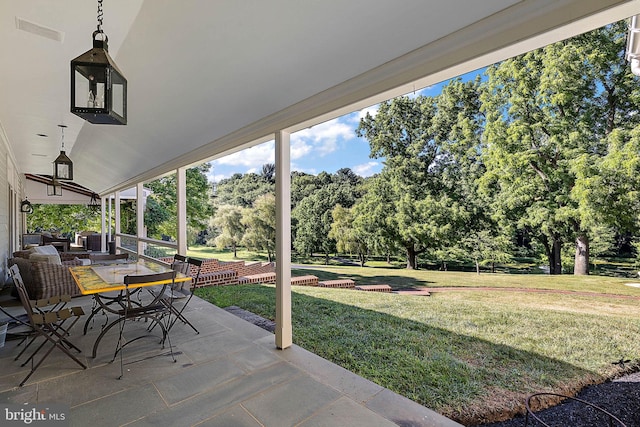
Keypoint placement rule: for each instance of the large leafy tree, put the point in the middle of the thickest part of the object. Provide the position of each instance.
(420, 212)
(458, 125)
(550, 115)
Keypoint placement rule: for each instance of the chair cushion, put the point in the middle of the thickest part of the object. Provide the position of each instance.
(47, 253)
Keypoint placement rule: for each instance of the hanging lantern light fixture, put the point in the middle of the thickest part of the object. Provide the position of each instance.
(98, 88)
(62, 165)
(55, 188)
(93, 203)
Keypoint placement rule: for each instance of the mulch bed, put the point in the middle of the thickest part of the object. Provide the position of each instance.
(620, 397)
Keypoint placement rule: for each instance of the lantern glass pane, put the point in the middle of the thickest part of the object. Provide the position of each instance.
(89, 86)
(62, 171)
(81, 90)
(117, 94)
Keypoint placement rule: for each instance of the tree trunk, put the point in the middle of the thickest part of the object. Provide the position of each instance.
(553, 252)
(581, 263)
(235, 251)
(477, 266)
(411, 257)
(557, 260)
(326, 258)
(493, 267)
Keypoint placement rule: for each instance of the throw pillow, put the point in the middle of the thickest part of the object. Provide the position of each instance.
(47, 258)
(46, 249)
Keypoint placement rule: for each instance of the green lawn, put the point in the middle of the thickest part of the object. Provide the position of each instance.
(468, 354)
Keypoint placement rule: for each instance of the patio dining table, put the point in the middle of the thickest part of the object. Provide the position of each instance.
(101, 280)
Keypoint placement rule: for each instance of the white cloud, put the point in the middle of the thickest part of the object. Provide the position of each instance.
(373, 110)
(217, 177)
(366, 169)
(300, 148)
(322, 139)
(253, 157)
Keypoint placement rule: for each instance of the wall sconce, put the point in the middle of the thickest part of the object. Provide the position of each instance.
(98, 88)
(55, 188)
(25, 206)
(62, 165)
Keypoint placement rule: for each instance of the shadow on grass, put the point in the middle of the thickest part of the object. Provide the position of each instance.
(465, 378)
(396, 282)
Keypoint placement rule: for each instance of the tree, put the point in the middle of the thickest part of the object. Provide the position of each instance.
(371, 217)
(348, 238)
(242, 190)
(550, 114)
(268, 173)
(421, 213)
(63, 219)
(164, 198)
(229, 220)
(260, 223)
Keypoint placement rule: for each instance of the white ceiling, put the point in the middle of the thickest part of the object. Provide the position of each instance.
(206, 77)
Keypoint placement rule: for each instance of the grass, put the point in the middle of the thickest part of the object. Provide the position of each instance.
(472, 355)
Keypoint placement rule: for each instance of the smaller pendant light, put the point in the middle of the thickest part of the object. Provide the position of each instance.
(55, 188)
(62, 165)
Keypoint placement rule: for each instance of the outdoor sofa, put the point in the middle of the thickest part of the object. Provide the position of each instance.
(44, 273)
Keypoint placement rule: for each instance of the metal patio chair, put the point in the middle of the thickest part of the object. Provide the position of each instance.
(47, 324)
(157, 311)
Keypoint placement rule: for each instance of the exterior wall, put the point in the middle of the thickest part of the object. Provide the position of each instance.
(11, 220)
(4, 213)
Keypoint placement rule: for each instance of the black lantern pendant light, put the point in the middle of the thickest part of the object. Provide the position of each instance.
(98, 88)
(62, 165)
(55, 188)
(93, 203)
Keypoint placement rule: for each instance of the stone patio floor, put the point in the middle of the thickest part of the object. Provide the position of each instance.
(231, 374)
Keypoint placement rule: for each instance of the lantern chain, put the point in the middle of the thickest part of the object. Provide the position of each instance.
(62, 135)
(100, 14)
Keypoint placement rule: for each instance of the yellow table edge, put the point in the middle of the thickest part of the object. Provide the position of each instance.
(179, 278)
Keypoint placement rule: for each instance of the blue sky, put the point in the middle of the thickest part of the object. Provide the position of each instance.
(327, 147)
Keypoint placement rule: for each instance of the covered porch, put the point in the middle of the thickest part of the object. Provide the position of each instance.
(207, 79)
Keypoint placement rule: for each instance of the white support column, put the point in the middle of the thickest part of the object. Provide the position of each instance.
(110, 219)
(181, 190)
(116, 206)
(103, 226)
(140, 201)
(284, 334)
